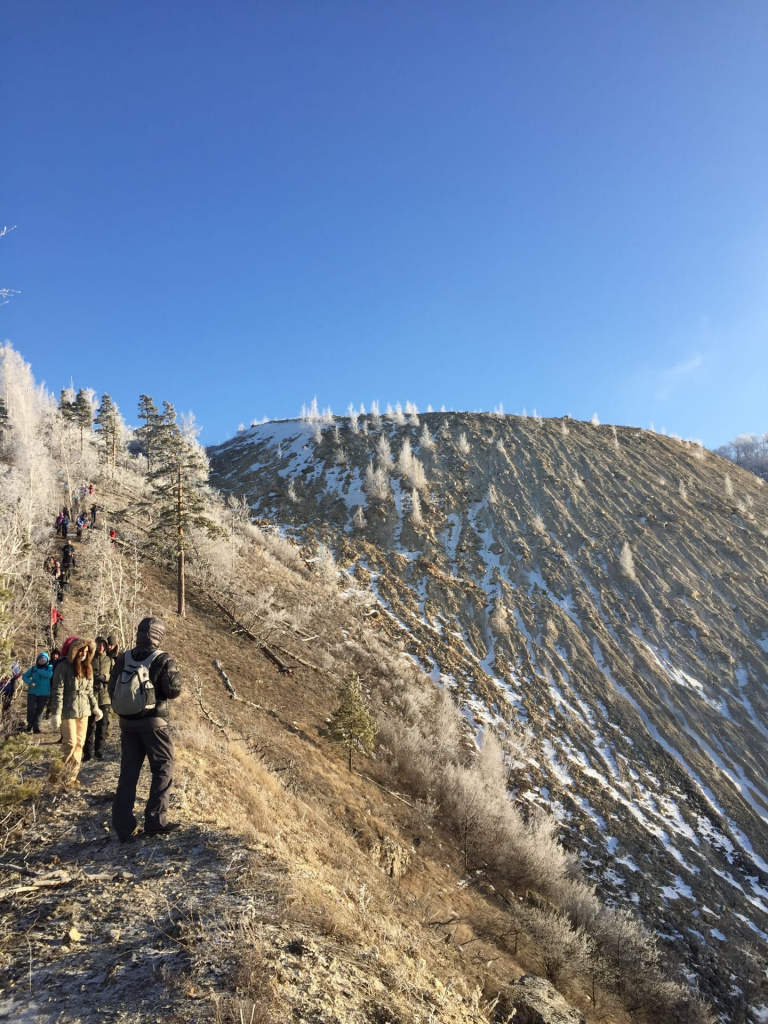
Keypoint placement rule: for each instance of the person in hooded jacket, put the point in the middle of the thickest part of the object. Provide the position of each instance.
(73, 702)
(68, 560)
(145, 735)
(98, 731)
(38, 680)
(112, 649)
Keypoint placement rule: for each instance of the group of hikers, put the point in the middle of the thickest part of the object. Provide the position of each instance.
(81, 686)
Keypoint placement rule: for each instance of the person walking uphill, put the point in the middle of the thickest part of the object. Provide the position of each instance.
(142, 682)
(73, 702)
(38, 680)
(96, 735)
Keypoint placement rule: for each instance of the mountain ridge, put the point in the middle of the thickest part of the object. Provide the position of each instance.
(601, 587)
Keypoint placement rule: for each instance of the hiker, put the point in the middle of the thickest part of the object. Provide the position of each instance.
(94, 510)
(68, 560)
(59, 521)
(112, 535)
(112, 649)
(148, 677)
(73, 702)
(82, 524)
(38, 680)
(90, 490)
(8, 687)
(56, 619)
(98, 731)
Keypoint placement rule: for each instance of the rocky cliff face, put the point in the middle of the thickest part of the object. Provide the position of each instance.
(596, 594)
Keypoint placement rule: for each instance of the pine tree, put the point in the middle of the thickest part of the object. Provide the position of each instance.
(82, 413)
(107, 420)
(67, 404)
(178, 483)
(147, 434)
(351, 724)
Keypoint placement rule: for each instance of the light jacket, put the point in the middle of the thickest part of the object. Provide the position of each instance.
(73, 697)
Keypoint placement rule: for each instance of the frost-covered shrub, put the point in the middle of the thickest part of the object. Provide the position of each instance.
(375, 415)
(595, 421)
(627, 562)
(353, 423)
(463, 444)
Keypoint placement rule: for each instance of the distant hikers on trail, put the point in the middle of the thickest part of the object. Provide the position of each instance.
(81, 523)
(94, 510)
(142, 682)
(73, 702)
(38, 682)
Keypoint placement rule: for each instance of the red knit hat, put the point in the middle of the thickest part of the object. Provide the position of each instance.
(66, 645)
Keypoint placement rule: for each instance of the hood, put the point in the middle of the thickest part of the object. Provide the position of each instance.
(76, 646)
(66, 645)
(150, 632)
(101, 640)
(112, 640)
(42, 654)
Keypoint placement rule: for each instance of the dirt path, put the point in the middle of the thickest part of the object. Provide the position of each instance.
(104, 930)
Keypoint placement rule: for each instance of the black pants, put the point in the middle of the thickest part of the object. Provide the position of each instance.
(96, 736)
(155, 745)
(35, 708)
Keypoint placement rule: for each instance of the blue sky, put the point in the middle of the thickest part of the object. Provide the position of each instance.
(238, 206)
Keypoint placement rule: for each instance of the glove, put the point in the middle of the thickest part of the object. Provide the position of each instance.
(98, 714)
(56, 722)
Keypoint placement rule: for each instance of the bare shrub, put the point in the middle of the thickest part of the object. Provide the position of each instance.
(560, 951)
(627, 562)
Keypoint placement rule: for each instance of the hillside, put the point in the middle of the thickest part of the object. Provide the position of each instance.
(598, 596)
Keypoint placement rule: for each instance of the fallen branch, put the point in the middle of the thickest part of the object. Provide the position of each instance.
(231, 690)
(383, 788)
(19, 869)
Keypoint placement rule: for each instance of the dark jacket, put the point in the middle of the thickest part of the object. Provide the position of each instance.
(102, 669)
(68, 557)
(163, 672)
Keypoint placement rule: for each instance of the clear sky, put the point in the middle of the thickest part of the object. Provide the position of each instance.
(239, 205)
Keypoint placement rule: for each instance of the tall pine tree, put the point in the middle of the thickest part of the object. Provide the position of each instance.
(179, 482)
(108, 422)
(82, 414)
(148, 433)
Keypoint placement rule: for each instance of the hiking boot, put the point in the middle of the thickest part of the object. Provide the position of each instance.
(136, 834)
(161, 830)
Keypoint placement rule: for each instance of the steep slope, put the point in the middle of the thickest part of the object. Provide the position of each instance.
(605, 589)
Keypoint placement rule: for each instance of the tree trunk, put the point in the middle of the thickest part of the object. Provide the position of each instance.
(180, 595)
(350, 757)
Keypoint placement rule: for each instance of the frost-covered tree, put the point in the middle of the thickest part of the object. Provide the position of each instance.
(750, 451)
(358, 519)
(595, 421)
(425, 438)
(410, 468)
(463, 444)
(376, 483)
(384, 454)
(352, 413)
(375, 415)
(416, 514)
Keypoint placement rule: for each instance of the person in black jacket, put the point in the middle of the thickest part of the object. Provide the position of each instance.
(145, 735)
(68, 560)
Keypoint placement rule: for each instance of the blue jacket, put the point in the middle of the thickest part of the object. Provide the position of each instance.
(39, 680)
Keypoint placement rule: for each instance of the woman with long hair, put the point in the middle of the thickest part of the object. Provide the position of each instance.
(73, 702)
